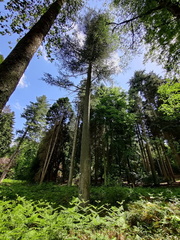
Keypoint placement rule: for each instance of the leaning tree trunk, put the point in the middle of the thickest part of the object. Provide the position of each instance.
(12, 158)
(51, 147)
(13, 67)
(85, 161)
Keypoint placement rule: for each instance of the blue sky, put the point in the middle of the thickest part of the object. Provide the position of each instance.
(31, 85)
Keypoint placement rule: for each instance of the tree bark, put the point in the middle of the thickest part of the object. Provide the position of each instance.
(85, 161)
(143, 150)
(151, 161)
(13, 67)
(71, 170)
(51, 149)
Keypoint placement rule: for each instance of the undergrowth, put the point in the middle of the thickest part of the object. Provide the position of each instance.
(139, 216)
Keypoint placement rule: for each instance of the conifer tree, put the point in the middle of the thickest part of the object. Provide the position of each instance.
(6, 130)
(89, 59)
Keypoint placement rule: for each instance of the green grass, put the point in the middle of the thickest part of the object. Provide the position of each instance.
(50, 212)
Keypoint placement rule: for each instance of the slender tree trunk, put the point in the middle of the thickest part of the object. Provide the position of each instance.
(71, 170)
(12, 158)
(172, 146)
(151, 161)
(13, 67)
(143, 150)
(85, 161)
(50, 149)
(168, 164)
(162, 167)
(106, 155)
(96, 157)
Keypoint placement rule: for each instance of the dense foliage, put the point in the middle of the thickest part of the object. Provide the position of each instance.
(170, 97)
(120, 148)
(144, 217)
(155, 22)
(6, 130)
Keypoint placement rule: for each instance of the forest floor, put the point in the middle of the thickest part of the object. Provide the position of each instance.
(53, 212)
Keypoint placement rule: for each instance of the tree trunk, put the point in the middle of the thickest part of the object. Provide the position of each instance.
(13, 156)
(173, 149)
(13, 67)
(51, 149)
(71, 170)
(168, 164)
(85, 161)
(151, 161)
(143, 150)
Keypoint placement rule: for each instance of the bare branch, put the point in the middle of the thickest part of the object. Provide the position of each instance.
(134, 18)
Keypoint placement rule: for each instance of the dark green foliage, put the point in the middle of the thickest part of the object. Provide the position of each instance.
(60, 109)
(25, 161)
(6, 128)
(58, 121)
(46, 192)
(35, 116)
(112, 133)
(152, 128)
(62, 195)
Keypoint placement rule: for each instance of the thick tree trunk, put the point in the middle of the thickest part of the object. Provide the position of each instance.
(85, 161)
(12, 158)
(13, 67)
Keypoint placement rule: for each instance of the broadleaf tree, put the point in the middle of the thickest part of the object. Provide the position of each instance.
(14, 65)
(155, 22)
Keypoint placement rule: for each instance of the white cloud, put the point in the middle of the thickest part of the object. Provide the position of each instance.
(79, 34)
(22, 82)
(43, 52)
(114, 62)
(18, 106)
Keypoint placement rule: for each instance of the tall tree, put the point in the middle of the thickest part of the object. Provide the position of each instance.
(13, 67)
(113, 127)
(88, 58)
(144, 91)
(54, 148)
(34, 114)
(169, 111)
